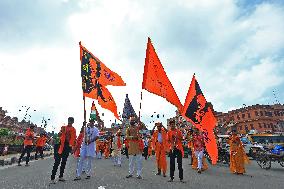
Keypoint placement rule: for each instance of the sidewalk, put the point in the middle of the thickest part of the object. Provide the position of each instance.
(13, 158)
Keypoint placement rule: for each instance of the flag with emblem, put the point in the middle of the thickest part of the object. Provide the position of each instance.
(200, 113)
(95, 77)
(106, 101)
(155, 79)
(97, 70)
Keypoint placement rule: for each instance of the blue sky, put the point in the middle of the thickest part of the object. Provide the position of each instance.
(234, 47)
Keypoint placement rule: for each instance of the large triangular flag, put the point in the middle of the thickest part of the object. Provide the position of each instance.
(200, 113)
(128, 109)
(94, 73)
(155, 79)
(106, 101)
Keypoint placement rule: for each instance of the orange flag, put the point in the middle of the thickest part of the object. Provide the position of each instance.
(200, 114)
(106, 101)
(99, 71)
(155, 79)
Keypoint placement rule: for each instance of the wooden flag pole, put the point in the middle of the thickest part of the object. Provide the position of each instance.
(140, 106)
(84, 124)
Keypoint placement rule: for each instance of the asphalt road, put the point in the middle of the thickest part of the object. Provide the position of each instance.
(109, 177)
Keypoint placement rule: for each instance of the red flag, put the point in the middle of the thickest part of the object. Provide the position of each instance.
(155, 79)
(199, 112)
(106, 101)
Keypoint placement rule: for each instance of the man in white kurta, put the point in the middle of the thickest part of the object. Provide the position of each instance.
(88, 150)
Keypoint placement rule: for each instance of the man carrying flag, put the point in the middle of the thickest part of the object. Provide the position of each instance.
(88, 151)
(175, 138)
(135, 149)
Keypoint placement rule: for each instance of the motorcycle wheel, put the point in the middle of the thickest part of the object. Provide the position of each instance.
(281, 162)
(264, 161)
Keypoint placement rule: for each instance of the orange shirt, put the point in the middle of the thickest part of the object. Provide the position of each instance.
(164, 139)
(41, 141)
(29, 136)
(178, 142)
(67, 132)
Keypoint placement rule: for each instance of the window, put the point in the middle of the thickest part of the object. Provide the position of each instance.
(241, 127)
(256, 113)
(251, 126)
(243, 116)
(238, 117)
(264, 125)
(248, 115)
(276, 113)
(246, 128)
(261, 113)
(259, 125)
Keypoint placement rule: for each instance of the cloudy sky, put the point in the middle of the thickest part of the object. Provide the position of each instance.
(235, 47)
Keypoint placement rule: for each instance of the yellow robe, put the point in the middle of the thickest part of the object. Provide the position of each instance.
(238, 157)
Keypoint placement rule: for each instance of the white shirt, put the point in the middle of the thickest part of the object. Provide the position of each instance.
(89, 149)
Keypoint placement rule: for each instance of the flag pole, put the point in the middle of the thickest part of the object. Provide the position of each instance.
(141, 98)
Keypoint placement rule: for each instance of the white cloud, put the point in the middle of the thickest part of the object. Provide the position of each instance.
(234, 56)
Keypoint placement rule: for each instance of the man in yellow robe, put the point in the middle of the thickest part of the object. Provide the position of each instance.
(238, 157)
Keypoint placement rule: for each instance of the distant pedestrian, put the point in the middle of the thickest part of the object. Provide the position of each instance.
(146, 147)
(40, 143)
(5, 150)
(28, 145)
(117, 146)
(126, 147)
(67, 136)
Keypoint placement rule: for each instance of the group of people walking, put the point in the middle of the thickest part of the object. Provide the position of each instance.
(164, 142)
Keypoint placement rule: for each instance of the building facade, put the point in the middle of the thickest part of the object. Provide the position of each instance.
(260, 118)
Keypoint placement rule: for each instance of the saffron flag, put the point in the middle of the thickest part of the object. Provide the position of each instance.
(199, 112)
(155, 79)
(106, 101)
(97, 71)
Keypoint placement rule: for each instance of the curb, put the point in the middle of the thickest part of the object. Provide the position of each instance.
(14, 159)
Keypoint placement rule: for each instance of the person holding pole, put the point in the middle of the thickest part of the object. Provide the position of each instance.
(88, 150)
(135, 148)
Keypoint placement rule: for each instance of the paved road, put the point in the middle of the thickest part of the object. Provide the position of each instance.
(38, 175)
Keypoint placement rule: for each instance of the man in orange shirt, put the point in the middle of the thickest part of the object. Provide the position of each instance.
(28, 145)
(67, 136)
(176, 150)
(160, 145)
(40, 143)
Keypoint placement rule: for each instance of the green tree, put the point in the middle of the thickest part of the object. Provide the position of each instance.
(4, 132)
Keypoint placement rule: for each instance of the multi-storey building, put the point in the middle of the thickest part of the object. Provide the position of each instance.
(261, 118)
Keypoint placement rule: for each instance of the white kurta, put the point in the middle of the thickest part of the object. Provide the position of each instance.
(89, 150)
